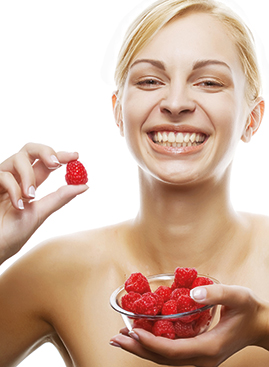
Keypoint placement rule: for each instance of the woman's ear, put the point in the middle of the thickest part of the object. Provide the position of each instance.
(116, 105)
(254, 120)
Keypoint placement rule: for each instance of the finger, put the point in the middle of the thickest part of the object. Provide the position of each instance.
(24, 174)
(45, 153)
(42, 171)
(184, 349)
(56, 200)
(132, 346)
(124, 331)
(9, 184)
(226, 295)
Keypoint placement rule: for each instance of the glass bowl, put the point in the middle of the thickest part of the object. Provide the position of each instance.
(187, 324)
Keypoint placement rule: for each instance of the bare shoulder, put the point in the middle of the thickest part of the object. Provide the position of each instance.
(67, 259)
(259, 225)
(88, 248)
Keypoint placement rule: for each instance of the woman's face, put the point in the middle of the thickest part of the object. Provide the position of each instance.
(183, 104)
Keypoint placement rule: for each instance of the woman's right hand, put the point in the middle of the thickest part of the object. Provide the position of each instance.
(20, 176)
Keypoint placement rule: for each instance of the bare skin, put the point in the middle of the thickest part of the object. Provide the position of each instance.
(60, 291)
(79, 273)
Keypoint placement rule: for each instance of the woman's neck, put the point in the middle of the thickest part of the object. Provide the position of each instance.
(184, 226)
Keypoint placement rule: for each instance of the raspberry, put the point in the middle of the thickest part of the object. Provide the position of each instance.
(185, 304)
(164, 291)
(184, 277)
(127, 301)
(76, 173)
(137, 283)
(179, 292)
(160, 301)
(143, 324)
(203, 322)
(164, 328)
(183, 330)
(201, 281)
(146, 305)
(170, 307)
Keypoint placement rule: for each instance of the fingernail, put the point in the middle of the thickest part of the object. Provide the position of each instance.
(198, 294)
(114, 344)
(31, 192)
(54, 159)
(133, 335)
(20, 204)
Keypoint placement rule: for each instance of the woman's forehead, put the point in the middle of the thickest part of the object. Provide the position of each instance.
(192, 37)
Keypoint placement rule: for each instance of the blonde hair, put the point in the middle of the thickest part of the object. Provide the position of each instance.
(156, 16)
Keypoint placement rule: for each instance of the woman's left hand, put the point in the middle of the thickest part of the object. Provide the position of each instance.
(243, 321)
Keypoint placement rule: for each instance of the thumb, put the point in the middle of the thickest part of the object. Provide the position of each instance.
(56, 200)
(226, 295)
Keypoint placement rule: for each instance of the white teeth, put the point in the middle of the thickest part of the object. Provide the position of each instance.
(179, 139)
(171, 137)
(193, 137)
(186, 138)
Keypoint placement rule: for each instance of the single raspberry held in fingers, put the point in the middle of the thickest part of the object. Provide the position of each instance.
(76, 173)
(137, 283)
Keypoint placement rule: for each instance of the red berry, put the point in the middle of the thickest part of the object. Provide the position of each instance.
(203, 322)
(76, 173)
(186, 304)
(170, 307)
(164, 291)
(184, 330)
(184, 277)
(201, 281)
(164, 328)
(143, 324)
(159, 299)
(137, 283)
(127, 301)
(179, 292)
(146, 305)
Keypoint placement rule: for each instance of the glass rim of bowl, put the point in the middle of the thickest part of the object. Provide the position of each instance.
(165, 276)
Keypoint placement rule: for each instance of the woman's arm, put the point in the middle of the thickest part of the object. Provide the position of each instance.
(244, 321)
(20, 176)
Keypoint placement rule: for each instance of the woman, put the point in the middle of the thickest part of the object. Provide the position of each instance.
(190, 76)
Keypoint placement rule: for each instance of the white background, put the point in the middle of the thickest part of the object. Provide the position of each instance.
(56, 80)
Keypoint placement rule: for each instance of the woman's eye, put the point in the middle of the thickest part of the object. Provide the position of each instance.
(148, 83)
(210, 84)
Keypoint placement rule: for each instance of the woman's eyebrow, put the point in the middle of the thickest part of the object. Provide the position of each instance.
(156, 63)
(202, 63)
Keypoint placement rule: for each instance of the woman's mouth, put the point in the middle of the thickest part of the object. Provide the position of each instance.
(177, 139)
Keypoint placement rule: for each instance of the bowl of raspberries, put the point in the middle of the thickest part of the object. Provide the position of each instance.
(161, 304)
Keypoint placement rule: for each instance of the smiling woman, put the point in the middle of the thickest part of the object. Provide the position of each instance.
(188, 91)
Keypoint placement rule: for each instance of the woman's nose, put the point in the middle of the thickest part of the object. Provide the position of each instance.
(177, 101)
